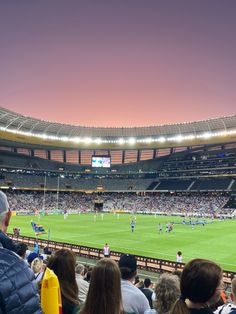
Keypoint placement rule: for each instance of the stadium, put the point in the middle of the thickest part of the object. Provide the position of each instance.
(105, 178)
(117, 157)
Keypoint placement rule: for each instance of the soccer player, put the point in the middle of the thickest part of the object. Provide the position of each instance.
(170, 227)
(132, 225)
(65, 214)
(160, 228)
(167, 227)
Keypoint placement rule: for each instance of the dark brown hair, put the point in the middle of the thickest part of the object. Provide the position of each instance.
(199, 281)
(104, 295)
(62, 262)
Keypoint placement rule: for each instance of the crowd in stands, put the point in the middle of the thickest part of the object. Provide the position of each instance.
(109, 288)
(195, 204)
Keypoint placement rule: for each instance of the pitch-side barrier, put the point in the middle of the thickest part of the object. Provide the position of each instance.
(145, 263)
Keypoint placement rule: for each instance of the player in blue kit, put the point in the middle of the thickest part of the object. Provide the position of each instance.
(132, 225)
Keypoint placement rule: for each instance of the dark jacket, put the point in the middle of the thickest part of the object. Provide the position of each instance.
(18, 294)
(205, 310)
(7, 243)
(148, 293)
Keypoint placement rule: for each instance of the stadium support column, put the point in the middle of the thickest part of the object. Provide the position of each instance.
(123, 156)
(32, 153)
(79, 156)
(64, 156)
(48, 155)
(58, 189)
(138, 155)
(154, 153)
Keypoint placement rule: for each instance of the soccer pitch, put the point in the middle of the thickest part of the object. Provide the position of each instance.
(214, 241)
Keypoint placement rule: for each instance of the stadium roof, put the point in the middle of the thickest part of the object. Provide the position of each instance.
(12, 122)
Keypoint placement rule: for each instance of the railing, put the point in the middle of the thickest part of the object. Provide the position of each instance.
(144, 263)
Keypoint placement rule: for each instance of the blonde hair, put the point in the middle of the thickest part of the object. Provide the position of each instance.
(36, 265)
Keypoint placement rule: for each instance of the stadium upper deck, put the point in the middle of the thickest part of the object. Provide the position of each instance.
(23, 129)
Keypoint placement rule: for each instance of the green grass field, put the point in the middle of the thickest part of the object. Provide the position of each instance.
(214, 241)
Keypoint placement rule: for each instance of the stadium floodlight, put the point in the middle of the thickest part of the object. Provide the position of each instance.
(190, 137)
(87, 140)
(64, 138)
(161, 139)
(206, 135)
(132, 140)
(121, 141)
(76, 140)
(148, 140)
(98, 141)
(179, 138)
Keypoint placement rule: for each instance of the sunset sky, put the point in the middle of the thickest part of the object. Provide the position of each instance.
(118, 63)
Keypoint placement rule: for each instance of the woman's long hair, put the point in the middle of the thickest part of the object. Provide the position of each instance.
(199, 281)
(62, 262)
(104, 295)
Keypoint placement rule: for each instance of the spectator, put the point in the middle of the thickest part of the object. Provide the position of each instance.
(18, 292)
(179, 257)
(200, 285)
(104, 295)
(177, 273)
(21, 250)
(133, 299)
(82, 284)
(46, 251)
(106, 250)
(5, 212)
(136, 280)
(167, 291)
(38, 267)
(229, 308)
(147, 291)
(62, 262)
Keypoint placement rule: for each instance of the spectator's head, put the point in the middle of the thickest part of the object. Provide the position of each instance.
(104, 295)
(21, 250)
(80, 269)
(147, 282)
(167, 291)
(179, 253)
(177, 273)
(233, 290)
(5, 213)
(201, 283)
(140, 284)
(62, 262)
(128, 266)
(136, 279)
(88, 275)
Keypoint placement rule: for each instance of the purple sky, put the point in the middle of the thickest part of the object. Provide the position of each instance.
(118, 63)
